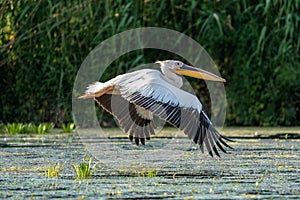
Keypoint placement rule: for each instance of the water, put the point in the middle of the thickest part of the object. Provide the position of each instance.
(256, 168)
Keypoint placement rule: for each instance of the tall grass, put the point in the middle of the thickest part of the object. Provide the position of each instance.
(255, 44)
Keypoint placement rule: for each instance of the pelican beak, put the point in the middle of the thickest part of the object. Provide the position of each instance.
(187, 70)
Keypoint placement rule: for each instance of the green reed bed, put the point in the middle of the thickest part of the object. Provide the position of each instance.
(255, 45)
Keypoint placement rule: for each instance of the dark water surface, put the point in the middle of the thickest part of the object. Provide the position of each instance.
(256, 168)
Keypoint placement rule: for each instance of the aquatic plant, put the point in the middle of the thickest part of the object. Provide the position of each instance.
(52, 170)
(83, 170)
(148, 172)
(15, 128)
(68, 128)
(42, 128)
(45, 127)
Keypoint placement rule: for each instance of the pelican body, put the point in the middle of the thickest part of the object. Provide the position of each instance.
(134, 98)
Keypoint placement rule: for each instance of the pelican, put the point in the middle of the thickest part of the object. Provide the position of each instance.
(134, 98)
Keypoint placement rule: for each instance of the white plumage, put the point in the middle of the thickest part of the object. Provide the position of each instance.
(152, 84)
(134, 98)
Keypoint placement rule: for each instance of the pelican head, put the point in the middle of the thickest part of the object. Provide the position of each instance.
(179, 67)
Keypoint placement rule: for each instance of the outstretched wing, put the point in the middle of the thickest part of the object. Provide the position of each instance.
(149, 90)
(132, 98)
(134, 120)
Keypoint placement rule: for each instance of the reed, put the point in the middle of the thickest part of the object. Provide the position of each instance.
(255, 44)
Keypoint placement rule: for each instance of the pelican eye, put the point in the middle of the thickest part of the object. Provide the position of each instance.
(177, 63)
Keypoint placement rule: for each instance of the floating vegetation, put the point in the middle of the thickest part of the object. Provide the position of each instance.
(52, 170)
(257, 169)
(20, 128)
(83, 170)
(68, 128)
(148, 172)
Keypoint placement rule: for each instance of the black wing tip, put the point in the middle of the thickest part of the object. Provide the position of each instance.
(195, 140)
(226, 138)
(220, 147)
(137, 141)
(214, 150)
(130, 138)
(224, 143)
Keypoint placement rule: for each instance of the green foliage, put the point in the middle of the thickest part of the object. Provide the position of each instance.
(52, 170)
(68, 128)
(83, 170)
(255, 43)
(21, 128)
(15, 128)
(148, 172)
(42, 128)
(263, 86)
(2, 128)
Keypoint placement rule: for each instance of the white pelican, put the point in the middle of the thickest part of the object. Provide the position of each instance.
(134, 98)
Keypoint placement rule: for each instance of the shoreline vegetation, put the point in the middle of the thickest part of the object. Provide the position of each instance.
(255, 45)
(232, 131)
(31, 128)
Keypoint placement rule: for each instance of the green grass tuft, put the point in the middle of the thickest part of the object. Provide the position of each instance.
(148, 172)
(15, 128)
(20, 128)
(68, 128)
(83, 170)
(52, 170)
(42, 128)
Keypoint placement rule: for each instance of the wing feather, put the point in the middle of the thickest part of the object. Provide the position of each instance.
(181, 109)
(128, 117)
(147, 91)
